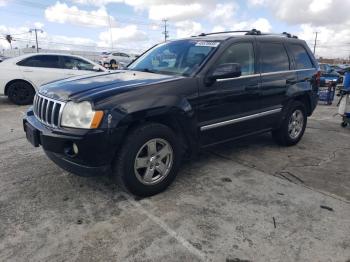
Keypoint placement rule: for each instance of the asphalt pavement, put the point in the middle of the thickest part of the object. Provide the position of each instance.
(244, 201)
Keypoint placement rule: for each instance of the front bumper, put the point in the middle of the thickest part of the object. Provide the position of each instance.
(96, 148)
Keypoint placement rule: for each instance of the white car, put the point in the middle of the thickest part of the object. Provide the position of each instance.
(115, 59)
(21, 76)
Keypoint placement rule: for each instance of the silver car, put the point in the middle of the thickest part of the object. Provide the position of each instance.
(115, 59)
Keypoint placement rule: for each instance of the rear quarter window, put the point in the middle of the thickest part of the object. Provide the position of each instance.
(274, 57)
(301, 57)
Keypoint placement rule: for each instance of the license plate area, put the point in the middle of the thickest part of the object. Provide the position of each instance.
(32, 135)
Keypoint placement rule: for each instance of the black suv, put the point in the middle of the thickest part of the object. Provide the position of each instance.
(179, 96)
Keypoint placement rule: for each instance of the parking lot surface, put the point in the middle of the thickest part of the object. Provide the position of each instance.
(242, 201)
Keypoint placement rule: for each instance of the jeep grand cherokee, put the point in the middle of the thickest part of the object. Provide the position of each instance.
(179, 96)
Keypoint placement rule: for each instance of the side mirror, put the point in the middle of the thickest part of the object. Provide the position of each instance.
(229, 70)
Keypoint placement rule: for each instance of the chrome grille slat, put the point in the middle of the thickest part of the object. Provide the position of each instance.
(48, 110)
(53, 113)
(42, 109)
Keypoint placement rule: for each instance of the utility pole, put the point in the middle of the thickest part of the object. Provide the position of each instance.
(36, 37)
(166, 32)
(315, 43)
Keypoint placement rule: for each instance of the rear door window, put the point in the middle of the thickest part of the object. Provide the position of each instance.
(274, 58)
(76, 64)
(301, 57)
(46, 61)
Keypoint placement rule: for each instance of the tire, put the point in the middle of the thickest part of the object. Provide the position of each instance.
(291, 132)
(144, 143)
(344, 124)
(21, 93)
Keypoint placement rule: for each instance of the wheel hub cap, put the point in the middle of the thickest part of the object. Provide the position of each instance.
(153, 161)
(296, 124)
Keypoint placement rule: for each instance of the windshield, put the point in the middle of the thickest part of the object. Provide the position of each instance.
(181, 57)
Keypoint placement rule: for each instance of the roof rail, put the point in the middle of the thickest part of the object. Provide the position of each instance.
(285, 34)
(248, 32)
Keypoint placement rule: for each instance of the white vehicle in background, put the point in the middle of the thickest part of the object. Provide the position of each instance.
(115, 59)
(21, 76)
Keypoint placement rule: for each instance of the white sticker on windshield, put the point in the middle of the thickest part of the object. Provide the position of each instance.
(209, 44)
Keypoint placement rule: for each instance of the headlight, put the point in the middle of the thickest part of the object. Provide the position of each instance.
(80, 115)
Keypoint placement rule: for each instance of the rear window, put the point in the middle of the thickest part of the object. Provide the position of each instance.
(302, 58)
(47, 61)
(274, 58)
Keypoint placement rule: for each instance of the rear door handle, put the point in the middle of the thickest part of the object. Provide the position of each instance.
(291, 81)
(251, 87)
(28, 71)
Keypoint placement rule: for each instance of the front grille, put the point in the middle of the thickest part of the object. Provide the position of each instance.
(47, 110)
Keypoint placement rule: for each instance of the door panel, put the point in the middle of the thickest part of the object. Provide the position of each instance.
(225, 104)
(276, 78)
(226, 101)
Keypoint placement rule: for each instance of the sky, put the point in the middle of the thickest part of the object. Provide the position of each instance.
(136, 25)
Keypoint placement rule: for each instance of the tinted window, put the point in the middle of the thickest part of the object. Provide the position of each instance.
(47, 61)
(274, 58)
(301, 57)
(241, 53)
(76, 64)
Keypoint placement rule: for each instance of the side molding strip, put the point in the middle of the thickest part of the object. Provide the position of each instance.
(240, 119)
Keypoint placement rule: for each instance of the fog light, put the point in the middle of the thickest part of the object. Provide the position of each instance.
(75, 149)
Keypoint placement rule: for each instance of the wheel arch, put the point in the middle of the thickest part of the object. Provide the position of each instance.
(17, 80)
(306, 100)
(182, 124)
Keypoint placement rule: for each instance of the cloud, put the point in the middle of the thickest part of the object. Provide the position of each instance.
(62, 13)
(315, 12)
(178, 10)
(175, 12)
(3, 2)
(328, 17)
(127, 37)
(96, 2)
(224, 12)
(38, 25)
(261, 24)
(333, 41)
(188, 28)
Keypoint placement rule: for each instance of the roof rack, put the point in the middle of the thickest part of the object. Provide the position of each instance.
(249, 32)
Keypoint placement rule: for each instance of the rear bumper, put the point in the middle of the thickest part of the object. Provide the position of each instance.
(96, 148)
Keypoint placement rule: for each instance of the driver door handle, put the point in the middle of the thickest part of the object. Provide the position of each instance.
(251, 87)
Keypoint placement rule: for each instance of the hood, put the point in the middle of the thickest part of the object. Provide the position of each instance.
(92, 86)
